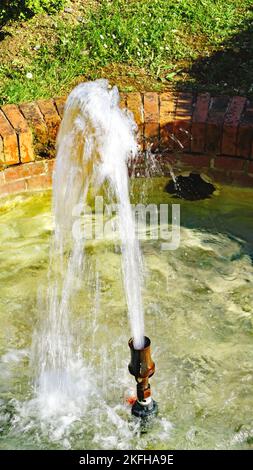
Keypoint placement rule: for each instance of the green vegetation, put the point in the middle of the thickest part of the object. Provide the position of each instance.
(155, 44)
(24, 8)
(50, 6)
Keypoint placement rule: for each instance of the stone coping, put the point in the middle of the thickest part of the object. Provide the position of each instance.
(210, 134)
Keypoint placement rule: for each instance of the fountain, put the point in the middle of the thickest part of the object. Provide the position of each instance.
(95, 142)
(83, 385)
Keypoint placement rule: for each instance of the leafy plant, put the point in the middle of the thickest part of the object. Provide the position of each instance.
(13, 9)
(50, 6)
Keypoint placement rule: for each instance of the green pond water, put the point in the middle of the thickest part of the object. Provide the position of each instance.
(198, 312)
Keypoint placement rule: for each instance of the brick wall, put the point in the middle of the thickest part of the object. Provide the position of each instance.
(201, 132)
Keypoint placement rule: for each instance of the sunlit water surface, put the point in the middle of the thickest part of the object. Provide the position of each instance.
(198, 311)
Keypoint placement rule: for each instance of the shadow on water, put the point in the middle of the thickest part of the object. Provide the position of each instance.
(228, 69)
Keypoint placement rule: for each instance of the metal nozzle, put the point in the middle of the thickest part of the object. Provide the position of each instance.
(142, 367)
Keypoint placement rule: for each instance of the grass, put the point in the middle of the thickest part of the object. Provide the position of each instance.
(144, 44)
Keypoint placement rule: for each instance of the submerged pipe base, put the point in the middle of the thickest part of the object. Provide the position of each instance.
(145, 411)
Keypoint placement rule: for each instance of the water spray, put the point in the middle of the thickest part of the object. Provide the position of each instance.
(142, 367)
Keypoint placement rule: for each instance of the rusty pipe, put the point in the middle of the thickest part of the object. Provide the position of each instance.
(142, 367)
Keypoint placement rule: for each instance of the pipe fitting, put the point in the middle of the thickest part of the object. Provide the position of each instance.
(142, 367)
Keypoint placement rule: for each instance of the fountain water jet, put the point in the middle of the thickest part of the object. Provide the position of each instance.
(95, 142)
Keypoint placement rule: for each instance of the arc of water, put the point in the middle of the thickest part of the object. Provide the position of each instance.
(95, 141)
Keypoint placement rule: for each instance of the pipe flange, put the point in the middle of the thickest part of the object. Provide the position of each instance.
(145, 410)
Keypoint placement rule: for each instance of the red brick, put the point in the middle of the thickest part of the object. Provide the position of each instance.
(1, 150)
(9, 140)
(228, 163)
(151, 116)
(39, 182)
(25, 137)
(201, 108)
(16, 173)
(245, 132)
(216, 116)
(14, 187)
(218, 176)
(24, 171)
(151, 136)
(123, 100)
(167, 108)
(245, 135)
(234, 112)
(51, 118)
(199, 161)
(182, 124)
(140, 137)
(36, 121)
(167, 117)
(167, 158)
(230, 127)
(199, 118)
(250, 168)
(151, 107)
(15, 117)
(60, 103)
(50, 166)
(37, 168)
(241, 179)
(2, 178)
(184, 107)
(134, 104)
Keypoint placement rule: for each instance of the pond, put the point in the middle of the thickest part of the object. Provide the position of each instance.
(198, 313)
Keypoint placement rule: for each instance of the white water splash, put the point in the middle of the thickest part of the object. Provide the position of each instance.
(95, 141)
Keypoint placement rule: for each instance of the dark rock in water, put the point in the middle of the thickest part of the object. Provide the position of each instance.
(191, 188)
